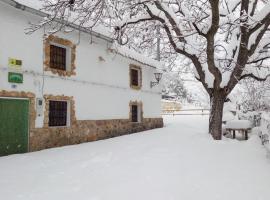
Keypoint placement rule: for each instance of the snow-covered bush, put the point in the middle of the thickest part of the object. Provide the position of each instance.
(173, 86)
(255, 95)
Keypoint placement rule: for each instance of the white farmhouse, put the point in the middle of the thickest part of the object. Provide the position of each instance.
(62, 89)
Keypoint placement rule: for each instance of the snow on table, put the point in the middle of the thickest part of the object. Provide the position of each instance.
(239, 124)
(178, 162)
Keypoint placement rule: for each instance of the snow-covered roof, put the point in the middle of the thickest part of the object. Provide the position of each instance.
(133, 55)
(37, 5)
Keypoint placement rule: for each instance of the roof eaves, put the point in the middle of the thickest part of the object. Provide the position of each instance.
(39, 13)
(131, 58)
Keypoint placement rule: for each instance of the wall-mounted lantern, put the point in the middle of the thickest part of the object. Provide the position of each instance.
(158, 77)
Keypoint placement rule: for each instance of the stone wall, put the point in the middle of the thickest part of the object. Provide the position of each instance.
(87, 131)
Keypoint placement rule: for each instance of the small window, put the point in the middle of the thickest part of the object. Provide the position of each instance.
(58, 113)
(135, 77)
(134, 113)
(58, 57)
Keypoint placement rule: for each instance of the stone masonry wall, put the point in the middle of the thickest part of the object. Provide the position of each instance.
(87, 131)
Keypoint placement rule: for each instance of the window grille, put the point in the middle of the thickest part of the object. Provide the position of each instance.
(57, 57)
(58, 113)
(134, 113)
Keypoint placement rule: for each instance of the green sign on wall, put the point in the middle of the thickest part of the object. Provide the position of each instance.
(15, 77)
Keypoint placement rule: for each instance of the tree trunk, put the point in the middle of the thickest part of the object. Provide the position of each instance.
(216, 113)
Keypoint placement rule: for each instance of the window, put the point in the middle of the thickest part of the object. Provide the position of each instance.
(135, 111)
(135, 77)
(58, 113)
(58, 57)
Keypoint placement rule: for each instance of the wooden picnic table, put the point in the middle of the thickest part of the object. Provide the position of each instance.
(244, 132)
(241, 126)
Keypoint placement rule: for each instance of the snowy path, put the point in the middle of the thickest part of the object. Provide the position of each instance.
(178, 162)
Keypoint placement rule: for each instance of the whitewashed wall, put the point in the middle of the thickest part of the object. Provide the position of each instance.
(100, 88)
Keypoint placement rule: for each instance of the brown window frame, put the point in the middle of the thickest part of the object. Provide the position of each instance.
(58, 57)
(138, 116)
(70, 67)
(134, 113)
(135, 82)
(134, 77)
(55, 114)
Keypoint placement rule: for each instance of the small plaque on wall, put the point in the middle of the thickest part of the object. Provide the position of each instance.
(15, 77)
(15, 63)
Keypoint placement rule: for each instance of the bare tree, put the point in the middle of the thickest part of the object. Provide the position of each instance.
(225, 40)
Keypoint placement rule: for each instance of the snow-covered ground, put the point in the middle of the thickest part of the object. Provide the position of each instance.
(178, 162)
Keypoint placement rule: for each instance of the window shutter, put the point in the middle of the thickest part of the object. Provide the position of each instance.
(58, 57)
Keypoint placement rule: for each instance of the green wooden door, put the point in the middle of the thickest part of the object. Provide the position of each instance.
(13, 126)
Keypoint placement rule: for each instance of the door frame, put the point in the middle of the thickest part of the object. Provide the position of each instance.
(28, 131)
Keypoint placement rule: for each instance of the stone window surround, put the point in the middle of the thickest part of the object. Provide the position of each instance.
(140, 106)
(51, 39)
(132, 66)
(71, 111)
